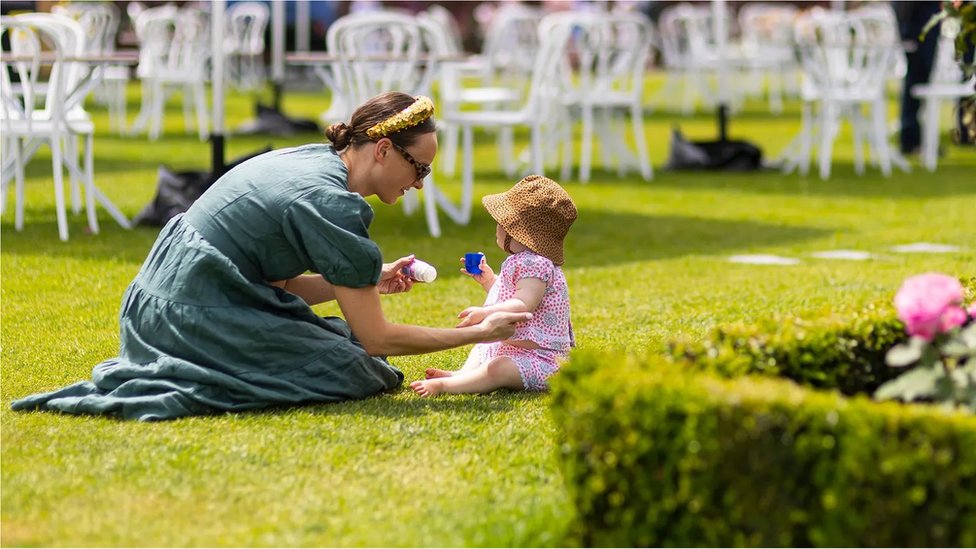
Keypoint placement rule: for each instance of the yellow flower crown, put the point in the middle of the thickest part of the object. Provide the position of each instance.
(421, 109)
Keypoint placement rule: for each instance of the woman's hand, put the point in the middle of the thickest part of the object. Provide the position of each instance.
(392, 280)
(472, 316)
(487, 276)
(499, 326)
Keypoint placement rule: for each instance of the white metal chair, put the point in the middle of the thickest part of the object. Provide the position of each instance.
(945, 84)
(688, 52)
(101, 21)
(174, 50)
(246, 23)
(767, 50)
(376, 51)
(845, 63)
(601, 72)
(25, 126)
(541, 112)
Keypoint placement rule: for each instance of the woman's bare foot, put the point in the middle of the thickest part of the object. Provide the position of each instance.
(426, 388)
(433, 373)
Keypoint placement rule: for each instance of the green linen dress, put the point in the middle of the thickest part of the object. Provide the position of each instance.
(201, 329)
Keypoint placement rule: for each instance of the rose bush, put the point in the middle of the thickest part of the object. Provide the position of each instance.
(941, 353)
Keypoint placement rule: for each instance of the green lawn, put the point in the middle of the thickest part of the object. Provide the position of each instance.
(645, 262)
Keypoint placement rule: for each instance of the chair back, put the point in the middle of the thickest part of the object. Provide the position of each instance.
(173, 43)
(945, 69)
(377, 51)
(843, 56)
(246, 24)
(605, 54)
(100, 21)
(767, 32)
(510, 45)
(28, 40)
(686, 37)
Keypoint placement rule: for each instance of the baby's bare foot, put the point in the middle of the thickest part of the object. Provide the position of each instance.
(432, 373)
(426, 388)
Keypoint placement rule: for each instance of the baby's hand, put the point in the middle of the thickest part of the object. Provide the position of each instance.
(472, 316)
(486, 277)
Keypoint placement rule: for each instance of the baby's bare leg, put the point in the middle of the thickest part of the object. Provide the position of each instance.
(500, 373)
(473, 361)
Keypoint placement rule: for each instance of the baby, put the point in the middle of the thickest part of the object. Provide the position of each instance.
(533, 219)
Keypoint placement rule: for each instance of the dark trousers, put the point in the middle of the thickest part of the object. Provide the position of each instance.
(919, 68)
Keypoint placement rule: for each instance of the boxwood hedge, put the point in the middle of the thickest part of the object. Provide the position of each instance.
(839, 351)
(658, 454)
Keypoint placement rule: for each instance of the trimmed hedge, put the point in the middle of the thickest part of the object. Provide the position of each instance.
(656, 454)
(844, 352)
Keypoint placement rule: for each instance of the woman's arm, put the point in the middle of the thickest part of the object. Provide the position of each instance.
(315, 289)
(312, 288)
(361, 307)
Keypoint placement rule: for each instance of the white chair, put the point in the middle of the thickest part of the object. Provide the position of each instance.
(601, 72)
(174, 51)
(945, 84)
(767, 50)
(541, 112)
(101, 21)
(504, 66)
(246, 23)
(688, 52)
(24, 125)
(845, 63)
(377, 51)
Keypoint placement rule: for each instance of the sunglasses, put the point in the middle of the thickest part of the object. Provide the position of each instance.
(423, 170)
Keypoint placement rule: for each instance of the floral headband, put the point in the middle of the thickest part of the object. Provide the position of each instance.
(421, 109)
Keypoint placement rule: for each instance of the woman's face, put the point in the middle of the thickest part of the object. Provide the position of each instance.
(406, 167)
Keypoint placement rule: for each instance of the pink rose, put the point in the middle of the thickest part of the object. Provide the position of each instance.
(972, 310)
(929, 304)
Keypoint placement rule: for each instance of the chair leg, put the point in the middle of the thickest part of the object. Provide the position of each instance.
(828, 130)
(806, 139)
(188, 91)
(880, 131)
(640, 141)
(930, 133)
(430, 206)
(90, 183)
(57, 166)
(72, 151)
(538, 164)
(158, 100)
(586, 150)
(449, 161)
(201, 103)
(857, 123)
(19, 183)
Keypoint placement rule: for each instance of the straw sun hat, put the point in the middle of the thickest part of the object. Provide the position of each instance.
(537, 212)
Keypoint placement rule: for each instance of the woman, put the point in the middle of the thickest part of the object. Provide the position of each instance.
(219, 316)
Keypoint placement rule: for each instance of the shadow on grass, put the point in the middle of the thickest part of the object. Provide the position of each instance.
(390, 405)
(599, 237)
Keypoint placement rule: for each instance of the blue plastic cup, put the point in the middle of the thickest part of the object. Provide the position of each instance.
(472, 262)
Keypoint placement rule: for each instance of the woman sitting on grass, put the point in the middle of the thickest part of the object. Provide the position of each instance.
(219, 316)
(533, 219)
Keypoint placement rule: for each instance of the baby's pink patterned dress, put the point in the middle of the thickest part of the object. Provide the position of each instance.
(550, 327)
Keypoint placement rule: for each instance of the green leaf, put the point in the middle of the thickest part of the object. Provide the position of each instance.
(903, 354)
(915, 383)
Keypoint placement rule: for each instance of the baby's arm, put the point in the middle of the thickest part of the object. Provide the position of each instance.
(486, 277)
(528, 295)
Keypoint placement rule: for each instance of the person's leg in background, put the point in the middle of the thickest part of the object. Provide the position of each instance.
(920, 56)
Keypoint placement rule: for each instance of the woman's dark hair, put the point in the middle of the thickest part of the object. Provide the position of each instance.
(373, 112)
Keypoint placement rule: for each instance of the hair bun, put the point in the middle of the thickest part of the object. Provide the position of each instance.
(339, 135)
